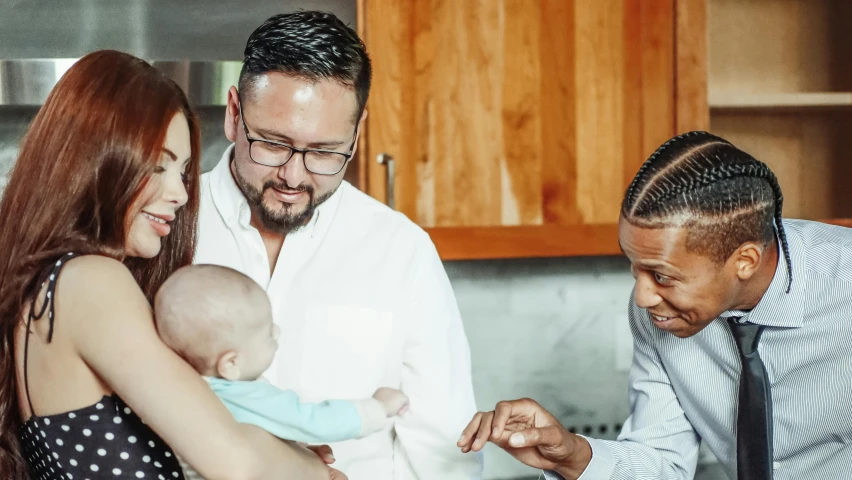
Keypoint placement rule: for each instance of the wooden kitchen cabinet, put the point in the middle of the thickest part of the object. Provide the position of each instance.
(780, 87)
(514, 126)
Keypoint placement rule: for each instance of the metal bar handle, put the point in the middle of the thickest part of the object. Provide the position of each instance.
(387, 160)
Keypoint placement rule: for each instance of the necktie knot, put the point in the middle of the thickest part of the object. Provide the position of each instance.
(746, 335)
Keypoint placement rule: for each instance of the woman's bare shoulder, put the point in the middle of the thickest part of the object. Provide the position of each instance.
(90, 267)
(96, 278)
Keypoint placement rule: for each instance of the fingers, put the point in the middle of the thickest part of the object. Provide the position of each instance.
(502, 413)
(491, 426)
(336, 474)
(393, 400)
(324, 452)
(470, 432)
(405, 404)
(484, 432)
(550, 441)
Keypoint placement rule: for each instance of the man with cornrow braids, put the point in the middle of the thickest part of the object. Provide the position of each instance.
(742, 327)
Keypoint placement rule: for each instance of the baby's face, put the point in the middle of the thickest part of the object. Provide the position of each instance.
(258, 350)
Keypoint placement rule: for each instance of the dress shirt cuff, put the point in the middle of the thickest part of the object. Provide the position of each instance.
(600, 468)
(603, 462)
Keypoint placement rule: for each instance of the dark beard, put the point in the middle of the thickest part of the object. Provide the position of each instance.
(286, 221)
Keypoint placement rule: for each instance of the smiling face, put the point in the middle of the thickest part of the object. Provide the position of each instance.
(682, 290)
(164, 194)
(299, 113)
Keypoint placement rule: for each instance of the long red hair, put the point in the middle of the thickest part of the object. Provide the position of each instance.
(83, 163)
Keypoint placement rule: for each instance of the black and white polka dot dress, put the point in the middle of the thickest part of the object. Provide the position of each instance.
(104, 440)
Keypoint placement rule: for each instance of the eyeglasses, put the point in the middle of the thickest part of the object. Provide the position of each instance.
(276, 154)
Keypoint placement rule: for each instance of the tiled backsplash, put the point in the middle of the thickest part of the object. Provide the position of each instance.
(554, 330)
(548, 329)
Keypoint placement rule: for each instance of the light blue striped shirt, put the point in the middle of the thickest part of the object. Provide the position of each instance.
(683, 391)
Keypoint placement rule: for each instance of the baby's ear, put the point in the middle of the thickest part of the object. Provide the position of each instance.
(227, 367)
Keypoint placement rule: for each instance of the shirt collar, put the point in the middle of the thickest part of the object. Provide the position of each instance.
(227, 196)
(319, 223)
(777, 308)
(234, 208)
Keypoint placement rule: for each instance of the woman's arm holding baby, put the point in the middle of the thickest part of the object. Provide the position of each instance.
(113, 332)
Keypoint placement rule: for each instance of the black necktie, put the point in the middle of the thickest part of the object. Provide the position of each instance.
(754, 419)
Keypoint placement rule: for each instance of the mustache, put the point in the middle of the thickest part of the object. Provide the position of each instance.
(283, 186)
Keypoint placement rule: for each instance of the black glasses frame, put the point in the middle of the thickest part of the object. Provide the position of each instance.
(293, 150)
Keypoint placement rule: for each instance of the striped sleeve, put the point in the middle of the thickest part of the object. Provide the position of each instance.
(657, 441)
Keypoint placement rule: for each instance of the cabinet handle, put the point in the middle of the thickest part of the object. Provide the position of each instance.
(387, 160)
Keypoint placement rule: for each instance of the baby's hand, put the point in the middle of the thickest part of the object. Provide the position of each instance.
(394, 401)
(379, 412)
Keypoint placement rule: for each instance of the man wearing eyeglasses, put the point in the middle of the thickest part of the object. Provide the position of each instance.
(358, 291)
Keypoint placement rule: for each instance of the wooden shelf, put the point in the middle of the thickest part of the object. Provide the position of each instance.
(469, 243)
(780, 101)
(479, 243)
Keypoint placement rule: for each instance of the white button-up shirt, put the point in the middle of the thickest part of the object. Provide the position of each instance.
(363, 301)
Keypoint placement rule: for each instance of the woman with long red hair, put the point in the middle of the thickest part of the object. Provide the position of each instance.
(99, 210)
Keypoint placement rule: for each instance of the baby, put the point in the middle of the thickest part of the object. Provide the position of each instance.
(220, 321)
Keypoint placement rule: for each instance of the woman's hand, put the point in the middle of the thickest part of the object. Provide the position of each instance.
(336, 474)
(324, 452)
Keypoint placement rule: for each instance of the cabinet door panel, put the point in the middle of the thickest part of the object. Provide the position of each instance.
(516, 113)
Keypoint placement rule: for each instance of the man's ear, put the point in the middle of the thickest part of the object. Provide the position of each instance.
(746, 259)
(360, 130)
(232, 115)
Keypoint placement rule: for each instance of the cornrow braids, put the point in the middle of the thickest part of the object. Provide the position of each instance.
(724, 195)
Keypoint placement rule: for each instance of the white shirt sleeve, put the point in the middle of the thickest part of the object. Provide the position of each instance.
(657, 441)
(436, 376)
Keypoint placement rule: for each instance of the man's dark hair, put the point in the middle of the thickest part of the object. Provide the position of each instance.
(310, 45)
(722, 195)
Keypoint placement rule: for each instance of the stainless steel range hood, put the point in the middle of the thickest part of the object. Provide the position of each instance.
(29, 81)
(198, 43)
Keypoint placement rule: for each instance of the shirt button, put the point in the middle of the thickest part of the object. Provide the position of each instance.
(776, 465)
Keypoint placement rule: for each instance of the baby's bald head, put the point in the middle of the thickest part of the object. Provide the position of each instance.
(204, 311)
